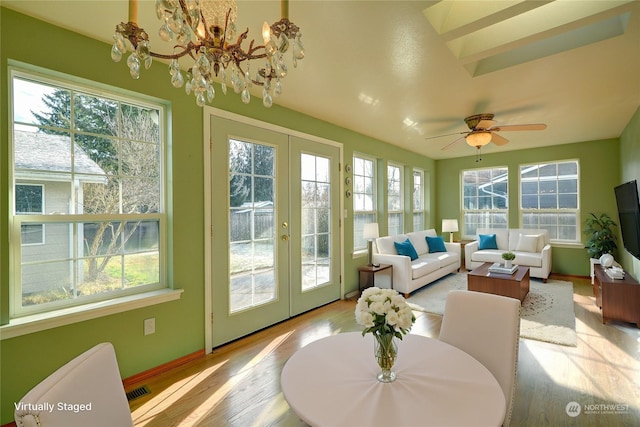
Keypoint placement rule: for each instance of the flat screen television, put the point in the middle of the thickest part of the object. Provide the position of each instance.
(629, 214)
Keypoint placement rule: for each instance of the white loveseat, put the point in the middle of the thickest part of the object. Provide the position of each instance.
(531, 247)
(410, 275)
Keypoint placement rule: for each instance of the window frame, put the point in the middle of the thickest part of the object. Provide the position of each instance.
(491, 212)
(400, 211)
(577, 211)
(106, 302)
(374, 195)
(421, 209)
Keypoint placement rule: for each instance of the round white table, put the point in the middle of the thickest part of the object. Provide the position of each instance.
(332, 382)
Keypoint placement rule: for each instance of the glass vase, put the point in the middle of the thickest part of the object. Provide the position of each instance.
(386, 351)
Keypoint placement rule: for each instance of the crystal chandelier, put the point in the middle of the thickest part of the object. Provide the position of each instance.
(205, 30)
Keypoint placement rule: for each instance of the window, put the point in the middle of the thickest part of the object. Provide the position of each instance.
(395, 200)
(419, 211)
(89, 189)
(485, 199)
(549, 194)
(364, 198)
(30, 200)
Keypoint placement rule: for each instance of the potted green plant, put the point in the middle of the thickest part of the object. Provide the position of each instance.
(508, 257)
(601, 239)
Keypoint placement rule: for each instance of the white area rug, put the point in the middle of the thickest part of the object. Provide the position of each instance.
(546, 314)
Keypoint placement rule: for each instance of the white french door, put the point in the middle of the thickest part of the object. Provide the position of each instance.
(275, 238)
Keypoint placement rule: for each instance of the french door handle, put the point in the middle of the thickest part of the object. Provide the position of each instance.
(285, 237)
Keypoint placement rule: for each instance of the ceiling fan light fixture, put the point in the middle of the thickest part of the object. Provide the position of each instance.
(478, 139)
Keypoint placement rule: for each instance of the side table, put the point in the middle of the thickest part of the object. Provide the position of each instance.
(619, 299)
(367, 275)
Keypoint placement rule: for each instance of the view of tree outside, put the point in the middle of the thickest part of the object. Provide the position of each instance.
(316, 220)
(395, 201)
(251, 224)
(364, 199)
(123, 140)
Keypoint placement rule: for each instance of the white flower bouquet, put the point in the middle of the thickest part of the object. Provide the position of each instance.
(384, 312)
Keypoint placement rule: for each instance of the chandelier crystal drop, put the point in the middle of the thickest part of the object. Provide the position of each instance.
(205, 30)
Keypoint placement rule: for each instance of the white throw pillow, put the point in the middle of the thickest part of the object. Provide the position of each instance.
(528, 243)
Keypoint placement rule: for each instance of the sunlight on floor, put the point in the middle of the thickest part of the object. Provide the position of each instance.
(323, 330)
(617, 365)
(212, 401)
(178, 390)
(276, 409)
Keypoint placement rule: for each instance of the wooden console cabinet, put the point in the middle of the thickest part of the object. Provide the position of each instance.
(619, 299)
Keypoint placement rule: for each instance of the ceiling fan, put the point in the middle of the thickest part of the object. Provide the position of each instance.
(483, 130)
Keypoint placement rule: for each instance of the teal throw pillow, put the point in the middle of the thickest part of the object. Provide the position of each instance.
(436, 244)
(487, 241)
(406, 248)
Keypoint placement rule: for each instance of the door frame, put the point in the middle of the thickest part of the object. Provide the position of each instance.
(207, 112)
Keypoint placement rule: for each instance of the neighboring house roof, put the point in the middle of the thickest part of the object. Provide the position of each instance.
(45, 156)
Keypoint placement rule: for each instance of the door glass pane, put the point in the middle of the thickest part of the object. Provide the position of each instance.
(251, 225)
(316, 217)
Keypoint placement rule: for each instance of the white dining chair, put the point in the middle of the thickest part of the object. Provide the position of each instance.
(87, 391)
(487, 327)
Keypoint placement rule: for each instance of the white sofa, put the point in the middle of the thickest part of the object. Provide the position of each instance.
(410, 275)
(531, 247)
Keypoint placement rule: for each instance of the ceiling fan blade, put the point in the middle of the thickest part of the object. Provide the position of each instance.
(508, 128)
(498, 140)
(451, 144)
(449, 134)
(485, 124)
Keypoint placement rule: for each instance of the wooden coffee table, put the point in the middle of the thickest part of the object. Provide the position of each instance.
(514, 285)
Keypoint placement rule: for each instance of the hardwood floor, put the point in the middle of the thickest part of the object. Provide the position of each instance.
(239, 383)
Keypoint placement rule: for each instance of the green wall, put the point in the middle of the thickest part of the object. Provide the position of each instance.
(599, 172)
(26, 360)
(629, 170)
(179, 324)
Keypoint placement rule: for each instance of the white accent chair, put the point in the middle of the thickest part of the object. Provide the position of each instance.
(87, 391)
(487, 327)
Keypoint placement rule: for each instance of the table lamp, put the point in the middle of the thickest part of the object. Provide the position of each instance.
(451, 226)
(370, 232)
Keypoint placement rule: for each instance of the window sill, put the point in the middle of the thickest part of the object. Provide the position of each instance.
(53, 319)
(571, 245)
(359, 254)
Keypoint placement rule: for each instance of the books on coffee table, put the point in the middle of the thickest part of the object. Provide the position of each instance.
(500, 268)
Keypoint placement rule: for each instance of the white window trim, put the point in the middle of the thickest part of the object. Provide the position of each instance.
(29, 323)
(401, 180)
(521, 211)
(80, 313)
(358, 252)
(422, 210)
(488, 211)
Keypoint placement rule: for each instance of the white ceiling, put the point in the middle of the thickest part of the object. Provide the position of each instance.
(402, 71)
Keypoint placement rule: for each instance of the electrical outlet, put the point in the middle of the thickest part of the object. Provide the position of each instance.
(150, 326)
